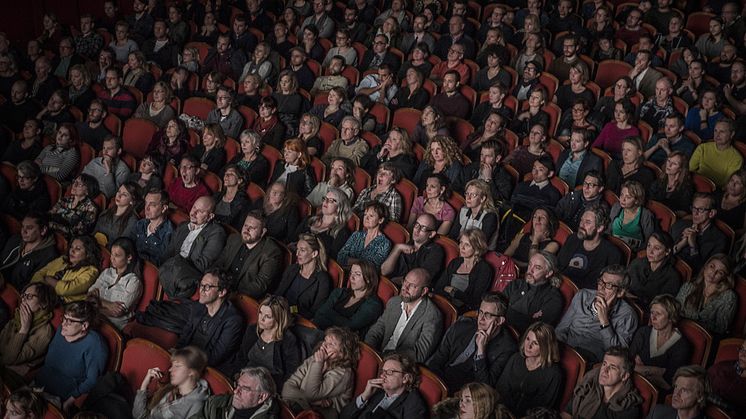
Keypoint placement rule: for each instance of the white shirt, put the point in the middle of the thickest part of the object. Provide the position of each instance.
(194, 231)
(400, 325)
(640, 76)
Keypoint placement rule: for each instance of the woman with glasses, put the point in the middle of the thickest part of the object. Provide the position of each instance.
(630, 220)
(306, 283)
(60, 159)
(369, 243)
(232, 199)
(72, 274)
(329, 223)
(268, 125)
(171, 142)
(603, 112)
(654, 273)
(710, 299)
(468, 277)
(30, 194)
(478, 211)
(540, 236)
(295, 169)
(211, 151)
(181, 391)
(343, 48)
(433, 201)
(118, 287)
(576, 118)
(76, 214)
(250, 159)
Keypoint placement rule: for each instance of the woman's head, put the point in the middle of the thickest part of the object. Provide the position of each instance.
(336, 203)
(736, 185)
(578, 73)
(421, 51)
(276, 195)
(250, 141)
(309, 125)
(659, 247)
(472, 243)
(28, 174)
(478, 195)
(624, 88)
(66, 136)
(677, 164)
(39, 296)
(234, 176)
(363, 277)
(294, 152)
(432, 117)
(336, 95)
(267, 107)
(187, 365)
(83, 251)
(718, 270)
(128, 195)
(273, 315)
(124, 254)
(162, 92)
(540, 341)
(151, 164)
(665, 311)
(398, 140)
(632, 195)
(135, 60)
(709, 100)
(79, 76)
(624, 110)
(632, 151)
(544, 219)
(436, 187)
(342, 347)
(175, 127)
(374, 215)
(213, 136)
(477, 401)
(310, 249)
(287, 82)
(78, 318)
(25, 403)
(442, 148)
(85, 186)
(537, 96)
(387, 175)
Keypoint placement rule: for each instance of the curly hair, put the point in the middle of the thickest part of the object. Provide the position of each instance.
(450, 149)
(349, 347)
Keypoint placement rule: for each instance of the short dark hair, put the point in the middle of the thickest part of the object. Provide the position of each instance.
(596, 175)
(622, 352)
(225, 279)
(381, 210)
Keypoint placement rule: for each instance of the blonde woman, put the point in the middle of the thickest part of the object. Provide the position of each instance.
(442, 155)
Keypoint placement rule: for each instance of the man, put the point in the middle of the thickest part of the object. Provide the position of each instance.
(320, 19)
(572, 206)
(99, 67)
(256, 17)
(560, 67)
(334, 78)
(587, 252)
(140, 22)
(160, 49)
(349, 145)
(489, 168)
(599, 319)
(607, 391)
(241, 38)
(656, 109)
(252, 257)
(187, 188)
(538, 191)
(254, 397)
(88, 43)
(450, 101)
(19, 108)
(418, 34)
(563, 19)
(734, 91)
(306, 78)
(690, 392)
(55, 113)
(495, 103)
(366, 12)
(44, 83)
(110, 171)
(536, 297)
(455, 35)
(194, 247)
(152, 234)
(380, 87)
(721, 69)
(643, 75)
(67, 58)
(213, 325)
(718, 159)
(229, 119)
(422, 252)
(698, 238)
(495, 21)
(632, 30)
(224, 59)
(660, 17)
(475, 349)
(378, 55)
(661, 145)
(411, 323)
(118, 100)
(460, 8)
(358, 30)
(29, 251)
(455, 62)
(92, 130)
(734, 26)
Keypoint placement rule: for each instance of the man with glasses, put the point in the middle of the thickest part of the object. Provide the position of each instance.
(528, 80)
(455, 35)
(349, 145)
(572, 206)
(188, 187)
(455, 62)
(229, 119)
(254, 396)
(697, 238)
(475, 349)
(67, 58)
(380, 87)
(560, 67)
(599, 319)
(378, 55)
(411, 323)
(214, 325)
(718, 159)
(421, 252)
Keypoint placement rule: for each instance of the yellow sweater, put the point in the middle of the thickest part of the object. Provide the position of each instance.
(74, 283)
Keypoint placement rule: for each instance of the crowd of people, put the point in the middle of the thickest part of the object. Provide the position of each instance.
(472, 189)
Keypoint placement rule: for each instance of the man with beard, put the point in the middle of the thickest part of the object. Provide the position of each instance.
(721, 69)
(92, 130)
(358, 30)
(333, 79)
(536, 297)
(422, 252)
(109, 169)
(572, 206)
(735, 90)
(117, 99)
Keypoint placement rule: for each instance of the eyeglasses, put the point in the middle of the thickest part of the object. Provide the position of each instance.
(389, 373)
(68, 320)
(207, 287)
(591, 184)
(607, 285)
(418, 226)
(487, 314)
(699, 210)
(26, 296)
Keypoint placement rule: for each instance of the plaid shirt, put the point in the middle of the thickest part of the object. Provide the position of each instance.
(391, 199)
(89, 46)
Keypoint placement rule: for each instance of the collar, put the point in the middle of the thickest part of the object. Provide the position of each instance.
(540, 185)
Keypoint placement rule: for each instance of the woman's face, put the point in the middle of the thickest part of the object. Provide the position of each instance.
(123, 198)
(15, 411)
(437, 152)
(627, 200)
(630, 153)
(172, 129)
(133, 62)
(76, 78)
(492, 124)
(715, 271)
(290, 155)
(285, 84)
(540, 220)
(394, 141)
(119, 258)
(536, 135)
(230, 178)
(620, 115)
(159, 94)
(63, 139)
(247, 145)
(601, 16)
(371, 219)
(79, 188)
(687, 56)
(621, 89)
(412, 78)
(656, 251)
(76, 253)
(535, 100)
(532, 41)
(466, 405)
(304, 253)
(576, 77)
(473, 197)
(673, 165)
(329, 204)
(289, 16)
(210, 84)
(531, 346)
(659, 318)
(418, 55)
(266, 111)
(388, 25)
(305, 126)
(357, 281)
(209, 139)
(433, 189)
(384, 178)
(428, 116)
(735, 186)
(209, 19)
(465, 249)
(260, 53)
(708, 101)
(333, 347)
(146, 166)
(25, 182)
(31, 298)
(266, 320)
(276, 194)
(179, 373)
(334, 98)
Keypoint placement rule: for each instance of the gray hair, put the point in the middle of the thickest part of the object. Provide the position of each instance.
(618, 270)
(552, 265)
(255, 137)
(264, 377)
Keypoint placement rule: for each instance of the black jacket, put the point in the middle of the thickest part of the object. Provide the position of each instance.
(314, 290)
(300, 182)
(408, 405)
(223, 340)
(590, 162)
(18, 269)
(480, 280)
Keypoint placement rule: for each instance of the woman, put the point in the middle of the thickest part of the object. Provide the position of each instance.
(76, 214)
(25, 403)
(534, 115)
(369, 244)
(491, 130)
(26, 336)
(711, 44)
(329, 223)
(251, 95)
(356, 307)
(208, 31)
(419, 62)
(310, 43)
(159, 110)
(213, 80)
(533, 51)
(325, 380)
(280, 211)
(251, 160)
(340, 175)
(290, 104)
(478, 211)
(171, 142)
(442, 155)
(732, 206)
(612, 135)
(659, 349)
(396, 150)
(118, 288)
(603, 112)
(290, 16)
(189, 58)
(533, 376)
(576, 119)
(493, 72)
(568, 93)
(432, 123)
(701, 119)
(382, 191)
(332, 112)
(269, 343)
(540, 236)
(71, 275)
(391, 27)
(79, 90)
(654, 273)
(473, 401)
(676, 38)
(411, 94)
(259, 64)
(680, 66)
(710, 299)
(27, 146)
(29, 195)
(232, 198)
(601, 26)
(122, 45)
(295, 170)
(574, 163)
(522, 158)
(434, 201)
(136, 73)
(308, 131)
(60, 160)
(8, 73)
(148, 176)
(343, 48)
(306, 283)
(468, 277)
(674, 186)
(630, 167)
(361, 107)
(119, 220)
(185, 392)
(630, 220)
(211, 151)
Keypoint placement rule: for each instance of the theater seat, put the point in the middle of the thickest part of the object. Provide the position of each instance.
(648, 392)
(700, 340)
(218, 383)
(367, 367)
(431, 387)
(140, 355)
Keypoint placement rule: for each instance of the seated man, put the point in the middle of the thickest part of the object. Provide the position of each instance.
(224, 114)
(152, 234)
(187, 188)
(455, 62)
(607, 391)
(411, 323)
(572, 206)
(380, 87)
(349, 145)
(475, 349)
(698, 238)
(690, 392)
(26, 253)
(656, 109)
(450, 101)
(195, 246)
(421, 252)
(489, 168)
(598, 320)
(254, 396)
(118, 100)
(539, 191)
(110, 171)
(379, 54)
(717, 159)
(213, 325)
(671, 139)
(92, 130)
(536, 297)
(252, 257)
(643, 75)
(333, 79)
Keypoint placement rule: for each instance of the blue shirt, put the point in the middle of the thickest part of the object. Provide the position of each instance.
(569, 170)
(72, 368)
(152, 247)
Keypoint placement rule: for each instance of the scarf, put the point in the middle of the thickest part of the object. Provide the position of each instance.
(262, 127)
(41, 318)
(588, 396)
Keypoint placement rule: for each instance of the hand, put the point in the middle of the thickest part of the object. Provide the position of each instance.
(485, 171)
(538, 314)
(370, 388)
(50, 281)
(152, 373)
(106, 161)
(68, 404)
(118, 309)
(406, 248)
(728, 89)
(26, 317)
(483, 336)
(320, 355)
(603, 310)
(691, 236)
(638, 360)
(448, 289)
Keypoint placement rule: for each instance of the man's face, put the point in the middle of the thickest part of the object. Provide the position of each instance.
(109, 149)
(379, 45)
(423, 230)
(564, 8)
(588, 229)
(31, 232)
(633, 18)
(419, 24)
(318, 6)
(412, 288)
(608, 287)
(456, 52)
(642, 60)
(737, 73)
(393, 378)
(687, 392)
(538, 270)
(335, 67)
(252, 230)
(201, 212)
(728, 54)
(695, 70)
(223, 99)
(223, 44)
(530, 72)
(296, 58)
(154, 209)
(672, 129)
(487, 316)
(702, 211)
(455, 26)
(729, 12)
(383, 75)
(159, 30)
(138, 6)
(349, 131)
(187, 171)
(662, 91)
(488, 156)
(42, 68)
(55, 104)
(459, 9)
(209, 292)
(722, 134)
(569, 48)
(104, 59)
(612, 372)
(239, 27)
(112, 80)
(351, 16)
(449, 83)
(592, 187)
(86, 24)
(540, 172)
(245, 393)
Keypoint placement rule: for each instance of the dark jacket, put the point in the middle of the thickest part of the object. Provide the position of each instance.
(221, 407)
(525, 300)
(214, 159)
(18, 269)
(480, 279)
(367, 312)
(430, 257)
(260, 269)
(408, 405)
(20, 202)
(312, 294)
(300, 182)
(388, 58)
(223, 340)
(590, 162)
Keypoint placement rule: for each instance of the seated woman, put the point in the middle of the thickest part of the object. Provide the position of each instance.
(329, 223)
(654, 273)
(659, 348)
(419, 61)
(492, 72)
(576, 118)
(268, 124)
(475, 401)
(523, 157)
(478, 211)
(30, 193)
(343, 48)
(491, 130)
(432, 123)
(540, 236)
(79, 90)
(308, 132)
(232, 199)
(674, 187)
(442, 155)
(361, 107)
(149, 174)
(603, 112)
(369, 244)
(306, 283)
(434, 201)
(190, 55)
(27, 146)
(575, 162)
(325, 380)
(25, 403)
(295, 171)
(136, 73)
(76, 214)
(567, 94)
(119, 220)
(280, 211)
(251, 94)
(211, 151)
(340, 175)
(534, 115)
(251, 160)
(332, 112)
(76, 358)
(630, 167)
(259, 63)
(533, 376)
(118, 288)
(25, 338)
(159, 110)
(630, 220)
(185, 392)
(60, 160)
(171, 142)
(356, 307)
(72, 274)
(710, 299)
(396, 149)
(612, 136)
(468, 277)
(412, 94)
(732, 205)
(269, 343)
(290, 104)
(701, 119)
(382, 191)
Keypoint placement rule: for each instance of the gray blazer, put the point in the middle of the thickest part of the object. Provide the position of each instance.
(421, 334)
(647, 84)
(179, 276)
(408, 43)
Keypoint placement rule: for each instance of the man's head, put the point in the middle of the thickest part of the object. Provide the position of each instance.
(214, 286)
(318, 6)
(350, 128)
(491, 313)
(724, 131)
(160, 30)
(542, 267)
(188, 169)
(350, 16)
(223, 43)
(224, 97)
(66, 47)
(380, 43)
(456, 53)
(543, 169)
(399, 373)
(418, 25)
(19, 91)
(690, 388)
(42, 66)
(105, 58)
(738, 73)
(203, 210)
(564, 8)
(451, 81)
(491, 153)
(634, 18)
(156, 204)
(729, 13)
(704, 209)
(111, 147)
(297, 56)
(239, 25)
(642, 59)
(593, 222)
(673, 126)
(34, 227)
(569, 47)
(96, 111)
(663, 90)
(593, 184)
(254, 228)
(113, 79)
(616, 368)
(415, 285)
(728, 53)
(384, 73)
(337, 65)
(424, 229)
(253, 387)
(612, 284)
(456, 26)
